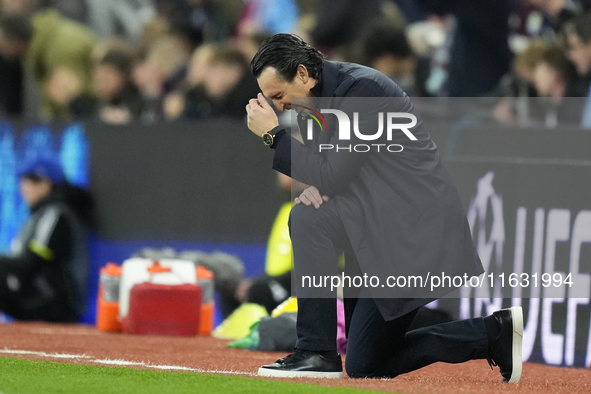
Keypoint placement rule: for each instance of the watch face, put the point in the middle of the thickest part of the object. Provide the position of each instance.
(267, 139)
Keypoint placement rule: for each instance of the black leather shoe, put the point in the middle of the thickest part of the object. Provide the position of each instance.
(304, 364)
(505, 350)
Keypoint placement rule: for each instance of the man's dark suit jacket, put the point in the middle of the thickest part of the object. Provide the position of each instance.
(402, 213)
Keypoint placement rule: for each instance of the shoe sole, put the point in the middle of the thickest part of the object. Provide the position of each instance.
(516, 353)
(273, 373)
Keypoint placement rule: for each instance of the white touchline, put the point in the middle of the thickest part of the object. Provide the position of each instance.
(43, 354)
(124, 363)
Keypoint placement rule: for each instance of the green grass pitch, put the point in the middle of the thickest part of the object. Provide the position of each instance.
(45, 377)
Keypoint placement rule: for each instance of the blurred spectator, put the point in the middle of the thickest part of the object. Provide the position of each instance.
(578, 38)
(479, 54)
(526, 61)
(11, 70)
(558, 11)
(541, 70)
(385, 48)
(44, 278)
(249, 44)
(339, 23)
(120, 99)
(219, 83)
(18, 6)
(201, 20)
(268, 16)
(554, 75)
(117, 100)
(162, 72)
(176, 103)
(199, 64)
(519, 82)
(55, 51)
(154, 29)
(106, 18)
(103, 47)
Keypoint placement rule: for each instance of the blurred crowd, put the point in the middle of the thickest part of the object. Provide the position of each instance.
(153, 60)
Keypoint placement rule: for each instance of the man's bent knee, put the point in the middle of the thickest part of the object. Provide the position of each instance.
(303, 217)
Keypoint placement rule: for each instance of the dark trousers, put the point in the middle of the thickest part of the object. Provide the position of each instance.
(25, 303)
(375, 347)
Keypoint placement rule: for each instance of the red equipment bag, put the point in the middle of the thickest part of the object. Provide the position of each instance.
(163, 309)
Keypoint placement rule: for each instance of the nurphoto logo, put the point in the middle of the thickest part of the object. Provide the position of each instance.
(344, 130)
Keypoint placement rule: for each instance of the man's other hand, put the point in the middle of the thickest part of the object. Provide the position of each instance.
(261, 117)
(311, 196)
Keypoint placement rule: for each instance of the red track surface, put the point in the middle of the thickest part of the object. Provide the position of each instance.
(210, 354)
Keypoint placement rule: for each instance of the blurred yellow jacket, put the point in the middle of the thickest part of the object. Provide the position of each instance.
(278, 259)
(59, 43)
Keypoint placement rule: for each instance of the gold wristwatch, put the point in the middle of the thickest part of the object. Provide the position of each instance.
(269, 137)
